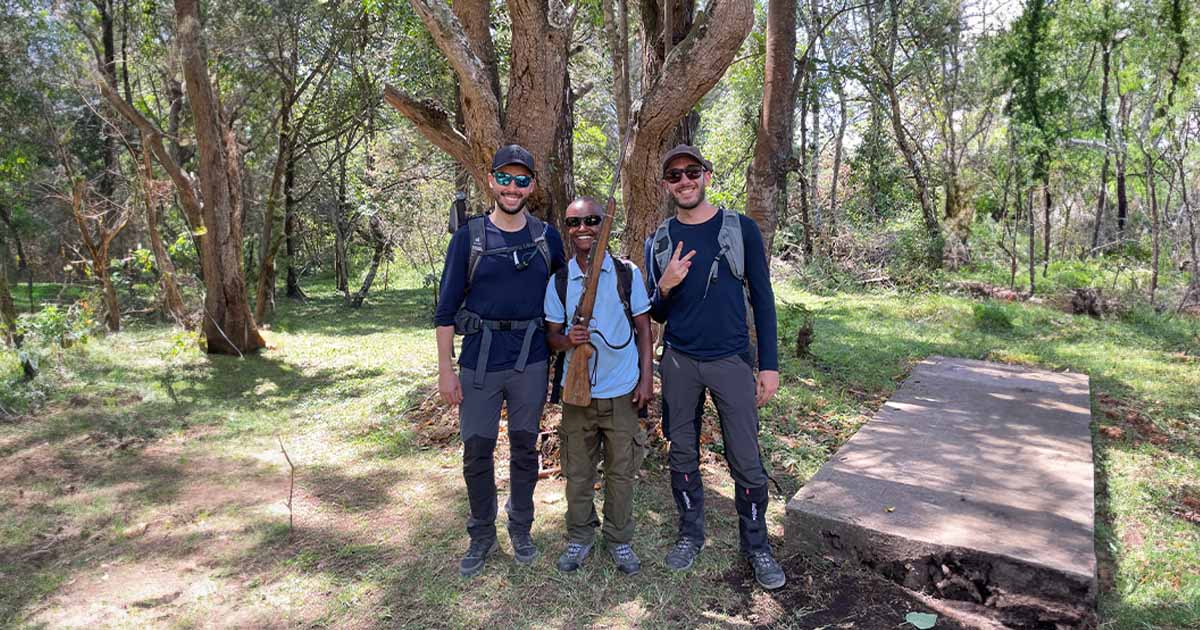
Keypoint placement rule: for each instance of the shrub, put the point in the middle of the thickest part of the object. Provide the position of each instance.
(992, 317)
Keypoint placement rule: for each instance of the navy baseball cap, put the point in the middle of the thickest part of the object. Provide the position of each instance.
(685, 150)
(512, 154)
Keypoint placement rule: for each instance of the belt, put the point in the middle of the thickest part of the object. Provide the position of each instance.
(486, 327)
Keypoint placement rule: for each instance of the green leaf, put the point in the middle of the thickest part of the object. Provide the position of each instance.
(923, 621)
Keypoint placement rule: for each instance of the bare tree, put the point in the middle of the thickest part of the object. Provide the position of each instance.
(99, 224)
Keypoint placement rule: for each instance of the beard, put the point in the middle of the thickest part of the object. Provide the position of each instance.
(517, 210)
(699, 200)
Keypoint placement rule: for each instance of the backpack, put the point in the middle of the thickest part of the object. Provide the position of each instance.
(477, 230)
(731, 248)
(624, 269)
(467, 322)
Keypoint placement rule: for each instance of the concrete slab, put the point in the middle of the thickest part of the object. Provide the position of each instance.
(974, 482)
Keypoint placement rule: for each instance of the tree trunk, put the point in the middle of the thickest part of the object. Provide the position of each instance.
(1046, 220)
(616, 27)
(1122, 156)
(229, 326)
(153, 195)
(8, 311)
(289, 229)
(264, 295)
(1032, 241)
(692, 68)
(380, 242)
(97, 245)
(805, 83)
(537, 72)
(766, 179)
(814, 132)
(1155, 223)
(907, 149)
(838, 146)
(1101, 199)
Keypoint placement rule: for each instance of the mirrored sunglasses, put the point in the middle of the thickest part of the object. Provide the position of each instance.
(504, 179)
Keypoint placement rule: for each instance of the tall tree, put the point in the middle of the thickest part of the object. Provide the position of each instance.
(537, 89)
(672, 88)
(766, 179)
(213, 205)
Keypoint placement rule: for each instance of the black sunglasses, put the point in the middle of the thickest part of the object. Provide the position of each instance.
(504, 179)
(591, 220)
(693, 171)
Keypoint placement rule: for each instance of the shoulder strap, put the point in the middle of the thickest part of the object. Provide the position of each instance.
(661, 249)
(624, 269)
(560, 286)
(730, 241)
(538, 229)
(477, 230)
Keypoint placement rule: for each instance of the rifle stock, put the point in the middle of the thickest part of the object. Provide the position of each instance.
(578, 387)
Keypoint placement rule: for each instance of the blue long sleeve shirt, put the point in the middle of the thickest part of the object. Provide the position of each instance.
(714, 326)
(498, 291)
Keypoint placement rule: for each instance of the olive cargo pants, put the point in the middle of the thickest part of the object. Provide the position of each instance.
(606, 429)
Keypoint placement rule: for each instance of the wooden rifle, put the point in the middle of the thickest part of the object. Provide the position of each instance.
(578, 387)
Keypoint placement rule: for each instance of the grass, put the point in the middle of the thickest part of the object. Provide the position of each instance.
(138, 461)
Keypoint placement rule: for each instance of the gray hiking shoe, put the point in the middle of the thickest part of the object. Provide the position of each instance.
(477, 554)
(573, 557)
(627, 561)
(524, 551)
(681, 557)
(767, 571)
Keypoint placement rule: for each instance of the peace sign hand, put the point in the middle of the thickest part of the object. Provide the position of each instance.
(676, 271)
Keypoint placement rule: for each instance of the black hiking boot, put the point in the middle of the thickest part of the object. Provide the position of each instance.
(683, 555)
(524, 551)
(476, 556)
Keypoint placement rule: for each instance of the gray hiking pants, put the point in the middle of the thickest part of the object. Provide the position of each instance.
(479, 424)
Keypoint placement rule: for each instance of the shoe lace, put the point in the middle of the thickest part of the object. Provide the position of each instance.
(623, 552)
(574, 549)
(684, 545)
(478, 547)
(762, 560)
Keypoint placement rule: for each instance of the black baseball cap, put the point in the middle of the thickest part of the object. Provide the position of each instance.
(685, 150)
(512, 154)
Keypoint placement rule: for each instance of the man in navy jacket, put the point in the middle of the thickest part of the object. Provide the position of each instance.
(701, 294)
(492, 290)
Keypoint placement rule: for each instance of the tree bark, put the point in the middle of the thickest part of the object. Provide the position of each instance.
(1122, 156)
(694, 66)
(889, 85)
(1102, 197)
(766, 179)
(264, 295)
(616, 27)
(536, 79)
(380, 242)
(1046, 207)
(107, 226)
(229, 326)
(153, 193)
(8, 311)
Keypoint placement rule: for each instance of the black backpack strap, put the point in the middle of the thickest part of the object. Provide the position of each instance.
(477, 231)
(624, 270)
(560, 358)
(538, 229)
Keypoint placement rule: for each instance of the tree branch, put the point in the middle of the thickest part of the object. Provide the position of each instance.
(435, 124)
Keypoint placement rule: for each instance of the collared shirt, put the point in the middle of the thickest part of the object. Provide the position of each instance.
(614, 372)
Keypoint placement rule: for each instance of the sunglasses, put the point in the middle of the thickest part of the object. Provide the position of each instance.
(504, 179)
(693, 171)
(591, 220)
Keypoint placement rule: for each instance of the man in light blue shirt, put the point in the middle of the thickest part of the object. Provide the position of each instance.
(622, 382)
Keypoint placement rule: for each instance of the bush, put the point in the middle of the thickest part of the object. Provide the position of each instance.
(992, 317)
